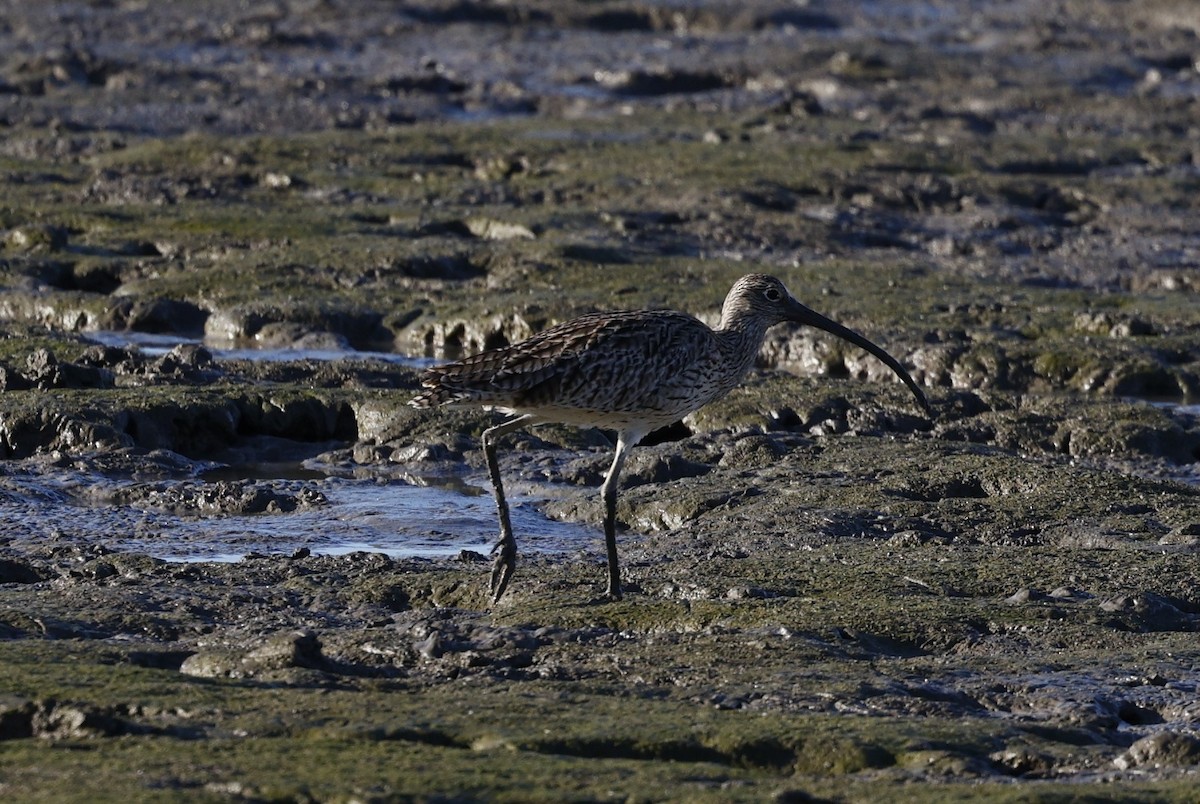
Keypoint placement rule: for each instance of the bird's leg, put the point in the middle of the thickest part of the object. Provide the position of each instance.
(608, 491)
(506, 548)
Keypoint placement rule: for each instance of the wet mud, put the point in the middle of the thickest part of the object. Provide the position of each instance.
(234, 565)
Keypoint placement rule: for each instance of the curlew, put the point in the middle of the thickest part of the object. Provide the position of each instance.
(631, 372)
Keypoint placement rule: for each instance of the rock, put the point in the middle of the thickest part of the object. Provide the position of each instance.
(276, 181)
(186, 359)
(1020, 596)
(425, 453)
(488, 229)
(753, 452)
(1020, 762)
(17, 571)
(36, 237)
(57, 721)
(748, 593)
(1166, 748)
(275, 325)
(97, 570)
(299, 649)
(41, 366)
(16, 718)
(221, 497)
(1149, 612)
(211, 664)
(43, 370)
(646, 467)
(431, 646)
(154, 314)
(278, 652)
(11, 380)
(1106, 323)
(293, 335)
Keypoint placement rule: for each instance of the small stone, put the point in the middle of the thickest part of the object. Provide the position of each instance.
(488, 229)
(1018, 597)
(905, 538)
(277, 181)
(1022, 761)
(40, 362)
(37, 237)
(1131, 328)
(95, 570)
(211, 664)
(297, 649)
(58, 721)
(430, 647)
(191, 355)
(16, 718)
(423, 453)
(748, 593)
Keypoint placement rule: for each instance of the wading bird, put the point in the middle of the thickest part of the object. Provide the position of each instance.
(632, 372)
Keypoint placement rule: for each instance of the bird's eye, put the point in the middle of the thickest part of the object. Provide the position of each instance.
(772, 294)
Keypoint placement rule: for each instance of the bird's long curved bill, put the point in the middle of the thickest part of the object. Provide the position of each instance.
(804, 315)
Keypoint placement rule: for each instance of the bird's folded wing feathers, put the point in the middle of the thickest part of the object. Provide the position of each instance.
(621, 355)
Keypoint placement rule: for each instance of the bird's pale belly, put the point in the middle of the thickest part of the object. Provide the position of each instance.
(643, 420)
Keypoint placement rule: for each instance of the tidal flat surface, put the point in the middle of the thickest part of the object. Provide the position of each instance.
(285, 210)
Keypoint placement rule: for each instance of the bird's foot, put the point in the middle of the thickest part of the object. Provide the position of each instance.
(614, 593)
(503, 567)
(611, 595)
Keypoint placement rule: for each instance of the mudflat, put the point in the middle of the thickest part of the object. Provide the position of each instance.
(830, 595)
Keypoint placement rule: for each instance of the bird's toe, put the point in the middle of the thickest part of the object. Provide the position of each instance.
(503, 568)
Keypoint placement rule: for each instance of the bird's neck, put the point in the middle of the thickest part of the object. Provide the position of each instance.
(742, 324)
(740, 337)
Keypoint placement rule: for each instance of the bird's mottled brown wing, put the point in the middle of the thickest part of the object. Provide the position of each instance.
(603, 361)
(496, 375)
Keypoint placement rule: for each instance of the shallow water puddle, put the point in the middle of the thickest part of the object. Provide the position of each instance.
(340, 515)
(394, 518)
(156, 345)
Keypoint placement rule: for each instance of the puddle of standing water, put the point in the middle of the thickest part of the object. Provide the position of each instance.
(393, 518)
(156, 345)
(344, 515)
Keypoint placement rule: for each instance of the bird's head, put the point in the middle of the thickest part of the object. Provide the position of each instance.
(766, 301)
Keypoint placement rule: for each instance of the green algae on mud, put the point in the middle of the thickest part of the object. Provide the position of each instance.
(114, 722)
(247, 249)
(113, 715)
